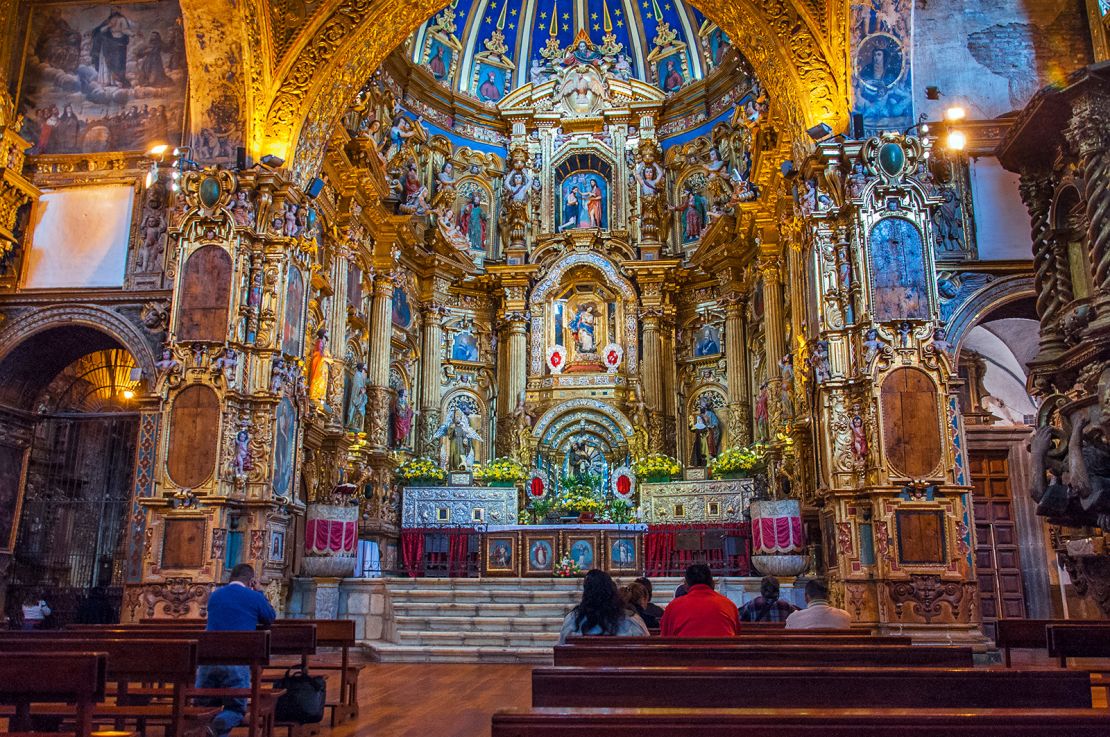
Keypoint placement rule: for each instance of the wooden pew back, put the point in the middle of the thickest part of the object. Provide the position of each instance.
(707, 688)
(129, 658)
(762, 656)
(76, 678)
(742, 639)
(800, 722)
(1078, 640)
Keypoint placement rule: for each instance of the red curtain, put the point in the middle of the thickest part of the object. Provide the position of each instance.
(778, 535)
(329, 535)
(454, 562)
(700, 543)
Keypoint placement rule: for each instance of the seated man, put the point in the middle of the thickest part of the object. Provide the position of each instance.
(237, 606)
(767, 607)
(818, 614)
(702, 612)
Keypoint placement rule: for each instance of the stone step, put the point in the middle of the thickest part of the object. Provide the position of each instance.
(388, 652)
(514, 640)
(478, 609)
(494, 596)
(479, 624)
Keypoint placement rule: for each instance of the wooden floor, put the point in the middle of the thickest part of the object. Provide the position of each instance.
(457, 700)
(435, 699)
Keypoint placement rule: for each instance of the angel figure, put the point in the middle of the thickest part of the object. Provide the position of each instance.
(718, 186)
(445, 185)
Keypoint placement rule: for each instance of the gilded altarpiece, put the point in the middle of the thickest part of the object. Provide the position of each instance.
(891, 478)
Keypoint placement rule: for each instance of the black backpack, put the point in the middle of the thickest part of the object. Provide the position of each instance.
(304, 697)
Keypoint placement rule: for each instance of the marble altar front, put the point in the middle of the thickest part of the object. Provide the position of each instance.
(452, 506)
(679, 502)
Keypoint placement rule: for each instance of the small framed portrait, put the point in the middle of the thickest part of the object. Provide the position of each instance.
(541, 553)
(623, 553)
(277, 546)
(583, 549)
(500, 555)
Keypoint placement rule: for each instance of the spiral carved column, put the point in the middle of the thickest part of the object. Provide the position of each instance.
(1090, 130)
(1036, 193)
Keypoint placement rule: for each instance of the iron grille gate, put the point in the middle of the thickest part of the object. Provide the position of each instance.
(70, 546)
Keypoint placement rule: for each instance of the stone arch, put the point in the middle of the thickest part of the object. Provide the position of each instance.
(320, 71)
(986, 300)
(572, 405)
(106, 322)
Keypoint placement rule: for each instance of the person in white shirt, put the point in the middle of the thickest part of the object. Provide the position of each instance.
(818, 614)
(35, 612)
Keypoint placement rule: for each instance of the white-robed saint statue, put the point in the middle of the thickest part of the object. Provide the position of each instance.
(460, 438)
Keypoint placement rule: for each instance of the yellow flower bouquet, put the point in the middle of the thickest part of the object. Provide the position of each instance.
(421, 472)
(501, 472)
(737, 462)
(656, 467)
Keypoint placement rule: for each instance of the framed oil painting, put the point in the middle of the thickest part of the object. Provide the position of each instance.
(898, 282)
(540, 551)
(583, 548)
(500, 555)
(622, 553)
(102, 77)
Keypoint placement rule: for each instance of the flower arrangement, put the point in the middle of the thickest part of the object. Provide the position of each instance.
(656, 466)
(501, 471)
(737, 462)
(567, 568)
(617, 512)
(421, 470)
(581, 499)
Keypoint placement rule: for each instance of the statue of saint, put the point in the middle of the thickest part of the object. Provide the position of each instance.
(356, 410)
(318, 367)
(581, 457)
(473, 222)
(460, 438)
(402, 419)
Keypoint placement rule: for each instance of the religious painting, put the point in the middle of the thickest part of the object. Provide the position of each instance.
(541, 555)
(464, 347)
(692, 210)
(669, 72)
(285, 436)
(402, 311)
(582, 549)
(584, 327)
(900, 288)
(440, 57)
(492, 82)
(500, 554)
(292, 334)
(582, 198)
(881, 73)
(13, 471)
(707, 341)
(718, 45)
(103, 77)
(623, 554)
(277, 546)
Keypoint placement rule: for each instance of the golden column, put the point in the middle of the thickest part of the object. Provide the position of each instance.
(513, 361)
(377, 369)
(433, 307)
(770, 268)
(737, 370)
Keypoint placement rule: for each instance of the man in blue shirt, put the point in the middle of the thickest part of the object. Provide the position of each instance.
(237, 606)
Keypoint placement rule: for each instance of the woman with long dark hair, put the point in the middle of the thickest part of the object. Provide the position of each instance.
(602, 611)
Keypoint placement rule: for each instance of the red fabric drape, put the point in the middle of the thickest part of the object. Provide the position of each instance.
(454, 562)
(777, 535)
(664, 556)
(330, 536)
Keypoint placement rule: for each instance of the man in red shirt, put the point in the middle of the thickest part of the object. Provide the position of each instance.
(702, 612)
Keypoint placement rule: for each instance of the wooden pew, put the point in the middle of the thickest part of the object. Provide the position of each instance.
(330, 633)
(830, 639)
(131, 660)
(1028, 634)
(800, 721)
(707, 688)
(68, 677)
(213, 648)
(1078, 640)
(762, 656)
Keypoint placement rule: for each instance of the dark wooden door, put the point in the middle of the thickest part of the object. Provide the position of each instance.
(997, 564)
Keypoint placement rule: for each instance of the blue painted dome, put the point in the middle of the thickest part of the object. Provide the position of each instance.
(486, 48)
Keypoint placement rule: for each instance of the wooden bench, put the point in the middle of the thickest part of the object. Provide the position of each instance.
(213, 648)
(76, 678)
(800, 721)
(1078, 640)
(330, 633)
(779, 639)
(1027, 634)
(762, 656)
(812, 687)
(131, 660)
